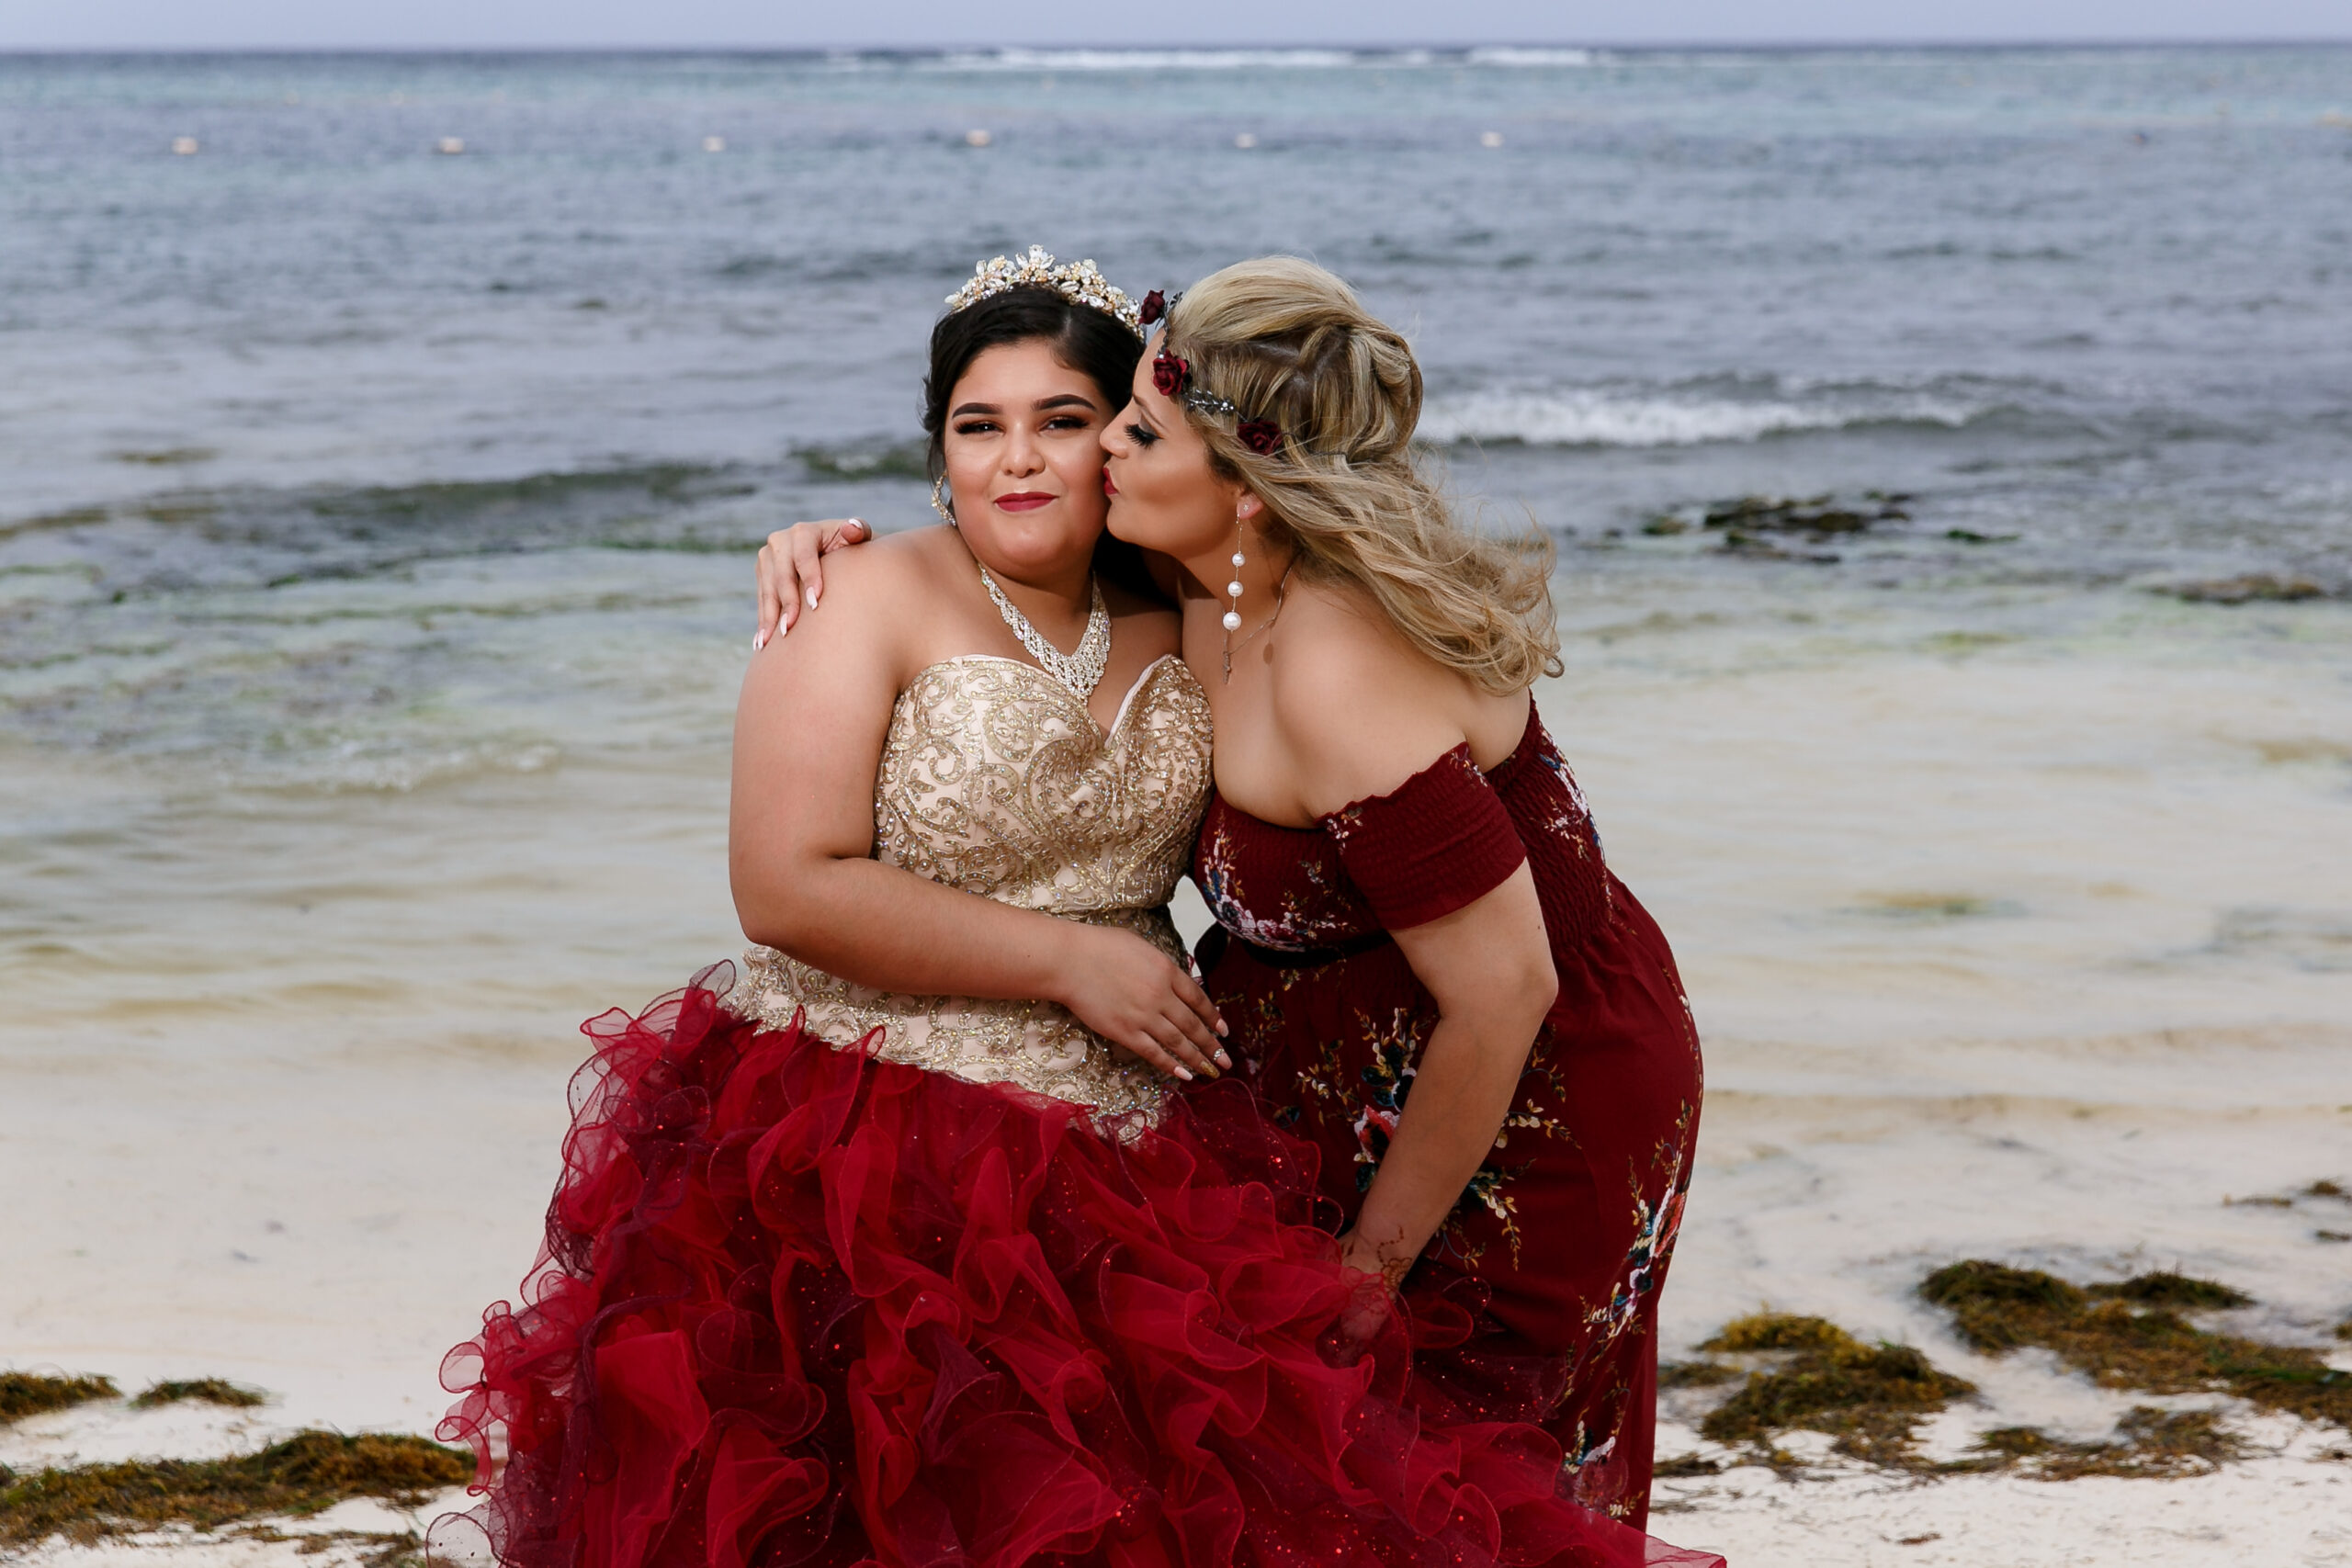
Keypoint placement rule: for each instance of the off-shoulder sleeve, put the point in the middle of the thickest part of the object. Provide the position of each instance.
(1437, 841)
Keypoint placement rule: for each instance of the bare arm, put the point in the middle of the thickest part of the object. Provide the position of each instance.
(809, 729)
(1356, 717)
(1489, 969)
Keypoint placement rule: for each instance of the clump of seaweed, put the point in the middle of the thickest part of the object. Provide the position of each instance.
(2148, 1444)
(1779, 1331)
(210, 1391)
(32, 1393)
(306, 1473)
(1870, 1397)
(2166, 1287)
(2322, 1188)
(2131, 1334)
(1696, 1374)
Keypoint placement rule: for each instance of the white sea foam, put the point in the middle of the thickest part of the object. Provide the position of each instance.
(1019, 59)
(1146, 60)
(1638, 416)
(1531, 58)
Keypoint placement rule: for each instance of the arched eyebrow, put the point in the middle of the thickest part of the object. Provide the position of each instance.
(1060, 401)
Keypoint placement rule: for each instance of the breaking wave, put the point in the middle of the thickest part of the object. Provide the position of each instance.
(1686, 416)
(1032, 58)
(1150, 60)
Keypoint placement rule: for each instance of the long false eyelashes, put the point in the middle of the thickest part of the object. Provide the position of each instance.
(1140, 435)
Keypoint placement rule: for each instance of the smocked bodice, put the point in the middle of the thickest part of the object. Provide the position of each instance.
(996, 780)
(1301, 889)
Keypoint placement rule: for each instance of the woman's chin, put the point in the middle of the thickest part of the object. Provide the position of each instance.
(1027, 542)
(1121, 522)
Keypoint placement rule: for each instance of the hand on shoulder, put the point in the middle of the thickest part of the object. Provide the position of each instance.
(873, 595)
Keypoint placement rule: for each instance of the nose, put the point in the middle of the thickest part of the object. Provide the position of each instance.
(1022, 456)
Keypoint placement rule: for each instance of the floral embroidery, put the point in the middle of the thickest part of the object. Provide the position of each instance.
(1574, 823)
(1293, 925)
(1374, 1105)
(1656, 1228)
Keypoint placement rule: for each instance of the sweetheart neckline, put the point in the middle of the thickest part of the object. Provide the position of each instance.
(1117, 720)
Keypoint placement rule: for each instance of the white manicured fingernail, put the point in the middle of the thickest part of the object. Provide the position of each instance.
(1183, 1072)
(759, 642)
(812, 598)
(1224, 1061)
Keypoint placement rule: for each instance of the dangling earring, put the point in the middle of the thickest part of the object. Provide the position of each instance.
(1233, 589)
(947, 513)
(1233, 596)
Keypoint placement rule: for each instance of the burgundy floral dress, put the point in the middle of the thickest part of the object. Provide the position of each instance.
(1537, 1301)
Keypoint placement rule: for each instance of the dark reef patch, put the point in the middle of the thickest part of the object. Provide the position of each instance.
(2253, 588)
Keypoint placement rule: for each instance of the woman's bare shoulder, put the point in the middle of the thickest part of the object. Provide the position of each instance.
(895, 573)
(1359, 709)
(875, 600)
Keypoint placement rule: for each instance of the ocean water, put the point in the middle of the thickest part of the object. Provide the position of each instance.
(2090, 305)
(375, 581)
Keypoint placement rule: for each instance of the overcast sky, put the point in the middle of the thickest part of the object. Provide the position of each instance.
(915, 24)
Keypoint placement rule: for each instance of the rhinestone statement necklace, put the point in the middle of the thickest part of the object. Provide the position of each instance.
(1082, 671)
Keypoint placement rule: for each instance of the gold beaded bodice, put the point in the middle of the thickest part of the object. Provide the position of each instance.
(996, 779)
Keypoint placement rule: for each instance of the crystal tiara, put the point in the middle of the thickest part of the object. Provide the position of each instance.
(1079, 282)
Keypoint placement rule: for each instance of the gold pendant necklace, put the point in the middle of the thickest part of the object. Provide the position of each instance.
(1231, 647)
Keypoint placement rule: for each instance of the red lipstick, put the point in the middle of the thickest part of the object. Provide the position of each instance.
(1025, 501)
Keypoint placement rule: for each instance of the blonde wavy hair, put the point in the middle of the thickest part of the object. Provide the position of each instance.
(1285, 341)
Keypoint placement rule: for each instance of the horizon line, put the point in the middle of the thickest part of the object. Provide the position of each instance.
(819, 51)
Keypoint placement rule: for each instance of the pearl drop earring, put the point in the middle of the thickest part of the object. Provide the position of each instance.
(1233, 589)
(1233, 592)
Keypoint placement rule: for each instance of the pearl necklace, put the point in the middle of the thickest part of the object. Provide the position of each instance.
(1082, 671)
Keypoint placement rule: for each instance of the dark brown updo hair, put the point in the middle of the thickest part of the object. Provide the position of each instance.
(1090, 341)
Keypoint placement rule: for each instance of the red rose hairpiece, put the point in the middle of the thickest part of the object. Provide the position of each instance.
(1261, 436)
(1155, 305)
(1169, 374)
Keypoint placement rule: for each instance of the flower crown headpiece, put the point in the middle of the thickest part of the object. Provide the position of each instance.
(1081, 283)
(1173, 378)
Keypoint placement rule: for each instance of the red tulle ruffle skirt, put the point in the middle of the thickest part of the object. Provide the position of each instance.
(799, 1305)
